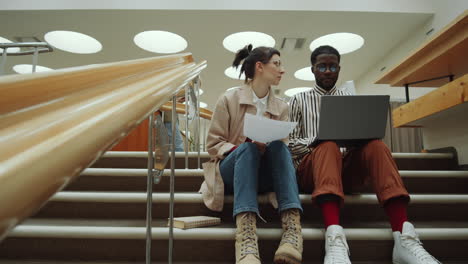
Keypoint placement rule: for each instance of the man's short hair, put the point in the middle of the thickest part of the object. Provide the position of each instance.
(323, 50)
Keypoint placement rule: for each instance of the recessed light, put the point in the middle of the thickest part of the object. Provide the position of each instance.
(27, 68)
(344, 42)
(10, 50)
(233, 73)
(305, 74)
(74, 42)
(293, 91)
(237, 41)
(159, 41)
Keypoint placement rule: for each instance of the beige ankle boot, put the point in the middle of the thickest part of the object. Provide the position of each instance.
(290, 249)
(246, 239)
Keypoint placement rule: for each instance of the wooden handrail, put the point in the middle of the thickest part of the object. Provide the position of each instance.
(55, 124)
(180, 109)
(450, 95)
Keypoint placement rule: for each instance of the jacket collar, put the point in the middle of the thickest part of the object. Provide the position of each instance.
(246, 97)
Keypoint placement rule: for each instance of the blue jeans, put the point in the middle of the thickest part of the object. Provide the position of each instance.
(179, 144)
(246, 172)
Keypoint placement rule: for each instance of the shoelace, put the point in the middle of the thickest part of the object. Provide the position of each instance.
(338, 250)
(248, 235)
(290, 235)
(414, 245)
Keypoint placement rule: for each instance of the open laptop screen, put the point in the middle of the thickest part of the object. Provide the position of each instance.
(353, 118)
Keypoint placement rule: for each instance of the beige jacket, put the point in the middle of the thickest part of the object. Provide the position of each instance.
(226, 131)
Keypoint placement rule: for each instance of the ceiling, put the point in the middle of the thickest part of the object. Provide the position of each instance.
(205, 30)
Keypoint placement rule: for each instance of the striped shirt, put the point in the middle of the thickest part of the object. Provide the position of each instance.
(304, 108)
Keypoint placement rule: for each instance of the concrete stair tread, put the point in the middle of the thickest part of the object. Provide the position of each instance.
(199, 173)
(269, 224)
(33, 229)
(140, 197)
(175, 262)
(144, 154)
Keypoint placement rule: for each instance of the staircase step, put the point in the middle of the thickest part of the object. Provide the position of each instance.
(157, 262)
(218, 233)
(120, 242)
(138, 159)
(131, 205)
(189, 180)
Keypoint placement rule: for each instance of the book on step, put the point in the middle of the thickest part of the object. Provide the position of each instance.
(195, 221)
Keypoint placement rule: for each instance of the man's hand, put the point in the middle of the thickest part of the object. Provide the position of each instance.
(261, 146)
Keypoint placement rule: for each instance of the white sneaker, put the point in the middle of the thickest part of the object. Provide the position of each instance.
(408, 248)
(336, 248)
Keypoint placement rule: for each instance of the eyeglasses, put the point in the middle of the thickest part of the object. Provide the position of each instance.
(324, 67)
(277, 63)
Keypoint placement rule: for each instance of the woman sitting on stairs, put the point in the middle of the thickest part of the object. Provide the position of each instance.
(244, 168)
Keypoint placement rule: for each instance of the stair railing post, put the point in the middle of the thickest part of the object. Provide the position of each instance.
(171, 186)
(149, 188)
(35, 58)
(197, 114)
(158, 155)
(3, 63)
(187, 144)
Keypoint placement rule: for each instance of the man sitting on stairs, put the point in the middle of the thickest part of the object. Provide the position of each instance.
(323, 171)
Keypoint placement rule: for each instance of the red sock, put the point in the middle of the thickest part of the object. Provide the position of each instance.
(396, 211)
(331, 213)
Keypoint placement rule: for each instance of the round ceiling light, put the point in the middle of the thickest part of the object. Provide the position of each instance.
(343, 42)
(237, 41)
(305, 74)
(73, 42)
(10, 50)
(233, 73)
(158, 41)
(293, 91)
(27, 68)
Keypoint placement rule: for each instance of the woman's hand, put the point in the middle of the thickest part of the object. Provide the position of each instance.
(261, 146)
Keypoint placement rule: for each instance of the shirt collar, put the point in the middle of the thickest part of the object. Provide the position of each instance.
(263, 100)
(246, 97)
(322, 91)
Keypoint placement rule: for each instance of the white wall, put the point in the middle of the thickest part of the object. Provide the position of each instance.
(413, 6)
(444, 13)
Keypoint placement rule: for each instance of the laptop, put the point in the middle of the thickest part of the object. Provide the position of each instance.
(352, 120)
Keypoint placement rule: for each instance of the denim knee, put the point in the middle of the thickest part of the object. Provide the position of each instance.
(277, 145)
(248, 147)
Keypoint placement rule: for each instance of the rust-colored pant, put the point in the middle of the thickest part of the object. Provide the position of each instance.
(325, 171)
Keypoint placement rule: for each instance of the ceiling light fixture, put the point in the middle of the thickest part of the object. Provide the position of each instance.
(233, 73)
(159, 41)
(74, 42)
(305, 74)
(344, 42)
(237, 41)
(27, 68)
(10, 50)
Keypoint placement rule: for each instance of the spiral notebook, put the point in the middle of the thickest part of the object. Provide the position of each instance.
(195, 221)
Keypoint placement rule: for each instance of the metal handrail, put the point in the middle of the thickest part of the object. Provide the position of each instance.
(35, 52)
(45, 45)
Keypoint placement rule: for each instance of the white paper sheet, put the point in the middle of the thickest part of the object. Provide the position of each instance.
(266, 130)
